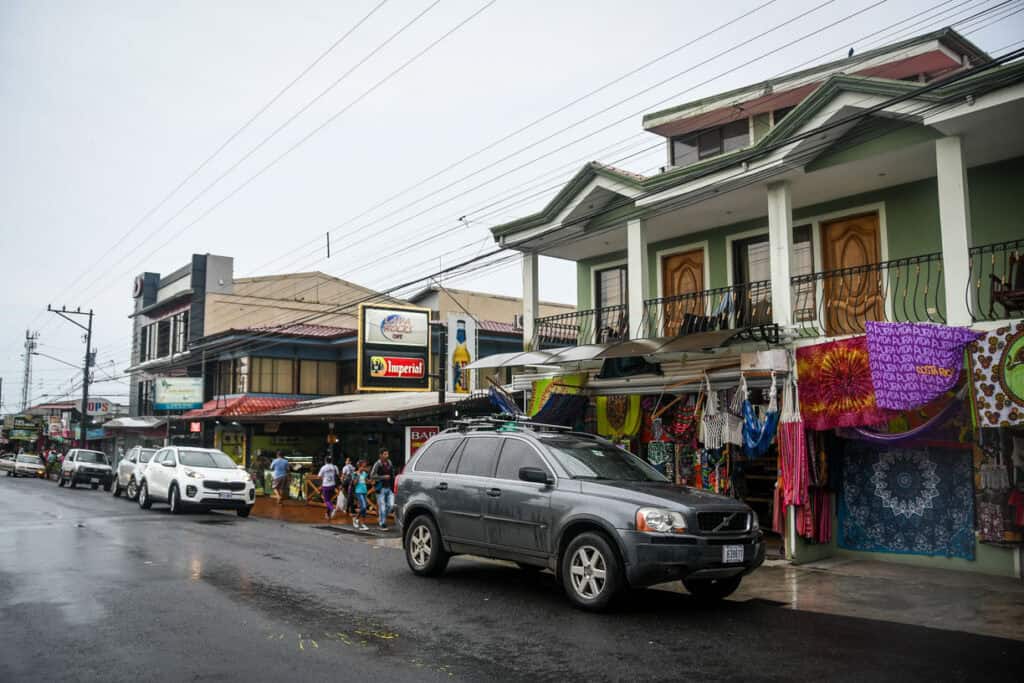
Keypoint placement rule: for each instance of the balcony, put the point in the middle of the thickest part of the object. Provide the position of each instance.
(593, 326)
(839, 302)
(996, 287)
(746, 308)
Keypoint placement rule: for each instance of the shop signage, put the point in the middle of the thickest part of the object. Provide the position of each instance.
(393, 349)
(462, 350)
(415, 437)
(98, 406)
(178, 393)
(195, 427)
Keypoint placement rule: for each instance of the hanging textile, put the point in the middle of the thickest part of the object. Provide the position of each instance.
(618, 416)
(912, 364)
(713, 421)
(733, 432)
(997, 374)
(835, 385)
(543, 389)
(562, 409)
(910, 501)
(792, 448)
(758, 433)
(684, 426)
(948, 423)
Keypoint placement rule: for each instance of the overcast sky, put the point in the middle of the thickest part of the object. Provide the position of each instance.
(109, 106)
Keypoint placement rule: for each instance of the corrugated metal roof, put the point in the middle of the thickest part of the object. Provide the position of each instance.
(241, 405)
(304, 330)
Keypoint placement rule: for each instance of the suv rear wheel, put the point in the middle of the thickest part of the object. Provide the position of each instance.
(709, 590)
(591, 572)
(144, 502)
(424, 550)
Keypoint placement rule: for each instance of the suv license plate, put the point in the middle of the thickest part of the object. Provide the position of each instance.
(225, 495)
(732, 553)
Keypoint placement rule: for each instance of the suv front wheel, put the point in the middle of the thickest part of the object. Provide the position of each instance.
(591, 572)
(423, 548)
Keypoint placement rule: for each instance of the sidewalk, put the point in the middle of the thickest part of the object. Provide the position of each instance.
(298, 512)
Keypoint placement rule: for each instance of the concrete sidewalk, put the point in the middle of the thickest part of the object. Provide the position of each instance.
(299, 512)
(935, 598)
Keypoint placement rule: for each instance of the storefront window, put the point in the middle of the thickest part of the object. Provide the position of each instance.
(273, 376)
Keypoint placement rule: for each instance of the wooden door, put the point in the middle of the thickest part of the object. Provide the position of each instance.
(681, 273)
(852, 296)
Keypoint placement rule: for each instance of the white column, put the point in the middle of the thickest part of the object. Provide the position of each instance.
(780, 242)
(954, 226)
(530, 299)
(637, 275)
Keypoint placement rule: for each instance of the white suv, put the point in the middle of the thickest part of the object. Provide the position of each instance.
(82, 466)
(196, 477)
(129, 471)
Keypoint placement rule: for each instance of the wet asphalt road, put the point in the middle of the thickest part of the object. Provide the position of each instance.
(92, 588)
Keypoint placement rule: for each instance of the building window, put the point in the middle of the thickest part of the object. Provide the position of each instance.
(226, 378)
(710, 142)
(146, 397)
(780, 114)
(318, 377)
(272, 376)
(148, 343)
(143, 346)
(752, 263)
(610, 289)
(180, 343)
(163, 338)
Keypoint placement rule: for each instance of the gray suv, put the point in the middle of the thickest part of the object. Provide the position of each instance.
(598, 516)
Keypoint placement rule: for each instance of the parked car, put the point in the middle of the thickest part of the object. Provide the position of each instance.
(129, 469)
(196, 477)
(29, 465)
(83, 466)
(7, 463)
(598, 516)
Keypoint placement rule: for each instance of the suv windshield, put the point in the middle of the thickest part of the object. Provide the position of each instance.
(145, 454)
(214, 459)
(586, 459)
(34, 459)
(92, 456)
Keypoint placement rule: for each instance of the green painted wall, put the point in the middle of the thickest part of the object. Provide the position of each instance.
(912, 222)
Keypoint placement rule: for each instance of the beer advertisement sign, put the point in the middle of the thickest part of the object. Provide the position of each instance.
(394, 348)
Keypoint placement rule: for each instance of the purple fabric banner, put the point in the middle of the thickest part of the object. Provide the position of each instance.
(914, 363)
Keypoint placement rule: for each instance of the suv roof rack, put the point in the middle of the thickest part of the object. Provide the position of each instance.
(502, 421)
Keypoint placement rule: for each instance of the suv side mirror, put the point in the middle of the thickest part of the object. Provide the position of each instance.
(535, 475)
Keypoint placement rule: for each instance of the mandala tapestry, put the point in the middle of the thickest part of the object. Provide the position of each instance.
(909, 501)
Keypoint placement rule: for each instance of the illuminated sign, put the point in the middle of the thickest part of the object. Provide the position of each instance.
(389, 366)
(394, 348)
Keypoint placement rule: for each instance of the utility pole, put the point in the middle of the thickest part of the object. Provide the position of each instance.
(26, 382)
(64, 313)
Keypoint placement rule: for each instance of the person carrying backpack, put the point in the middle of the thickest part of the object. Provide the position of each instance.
(383, 475)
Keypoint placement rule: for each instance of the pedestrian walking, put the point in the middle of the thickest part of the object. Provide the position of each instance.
(362, 476)
(347, 474)
(279, 467)
(383, 475)
(329, 476)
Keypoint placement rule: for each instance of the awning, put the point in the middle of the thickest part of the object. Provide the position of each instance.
(134, 423)
(633, 347)
(697, 341)
(240, 405)
(507, 360)
(371, 406)
(576, 354)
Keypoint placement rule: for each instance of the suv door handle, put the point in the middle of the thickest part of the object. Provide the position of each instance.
(443, 486)
(493, 493)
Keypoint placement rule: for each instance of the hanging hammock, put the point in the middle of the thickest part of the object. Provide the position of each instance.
(733, 430)
(941, 418)
(712, 424)
(758, 434)
(792, 448)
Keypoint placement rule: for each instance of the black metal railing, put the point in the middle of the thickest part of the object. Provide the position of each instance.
(839, 302)
(745, 307)
(592, 326)
(995, 290)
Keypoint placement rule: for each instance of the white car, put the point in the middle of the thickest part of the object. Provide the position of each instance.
(196, 477)
(82, 466)
(29, 465)
(129, 471)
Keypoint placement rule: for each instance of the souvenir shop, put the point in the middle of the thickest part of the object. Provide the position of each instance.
(903, 444)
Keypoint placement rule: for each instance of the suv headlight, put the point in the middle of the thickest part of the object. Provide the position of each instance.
(192, 474)
(660, 521)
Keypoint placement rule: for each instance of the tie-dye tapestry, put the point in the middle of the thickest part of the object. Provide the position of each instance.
(835, 385)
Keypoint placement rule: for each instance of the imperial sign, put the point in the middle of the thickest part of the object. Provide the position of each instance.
(394, 348)
(389, 366)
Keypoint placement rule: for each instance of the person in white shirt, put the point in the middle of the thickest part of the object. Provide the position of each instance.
(329, 476)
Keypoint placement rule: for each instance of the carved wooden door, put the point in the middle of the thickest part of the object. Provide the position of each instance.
(853, 295)
(681, 274)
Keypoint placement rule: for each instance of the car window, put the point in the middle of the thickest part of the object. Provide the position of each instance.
(33, 459)
(132, 457)
(592, 459)
(71, 457)
(91, 457)
(144, 456)
(479, 456)
(213, 459)
(435, 455)
(514, 455)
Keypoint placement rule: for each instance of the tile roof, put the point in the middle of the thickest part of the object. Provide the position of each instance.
(245, 404)
(305, 330)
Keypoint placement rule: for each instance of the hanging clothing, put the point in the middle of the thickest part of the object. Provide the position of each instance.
(713, 422)
(997, 374)
(835, 385)
(793, 460)
(618, 416)
(758, 434)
